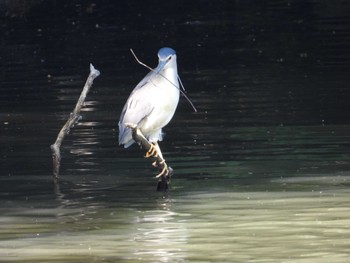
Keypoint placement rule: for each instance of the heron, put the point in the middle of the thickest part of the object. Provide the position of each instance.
(151, 106)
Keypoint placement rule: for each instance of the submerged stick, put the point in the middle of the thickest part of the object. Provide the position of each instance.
(72, 120)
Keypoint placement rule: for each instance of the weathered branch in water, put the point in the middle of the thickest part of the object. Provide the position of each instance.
(72, 120)
(166, 171)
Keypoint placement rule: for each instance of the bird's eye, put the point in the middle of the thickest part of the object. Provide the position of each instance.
(168, 59)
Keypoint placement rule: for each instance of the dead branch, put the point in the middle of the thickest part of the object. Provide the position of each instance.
(72, 120)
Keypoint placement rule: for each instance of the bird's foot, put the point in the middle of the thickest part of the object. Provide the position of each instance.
(158, 162)
(164, 179)
(165, 170)
(152, 152)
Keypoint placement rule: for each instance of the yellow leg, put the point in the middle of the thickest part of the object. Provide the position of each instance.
(158, 150)
(152, 152)
(165, 170)
(160, 162)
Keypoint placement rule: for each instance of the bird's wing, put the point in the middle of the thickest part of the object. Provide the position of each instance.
(143, 82)
(138, 106)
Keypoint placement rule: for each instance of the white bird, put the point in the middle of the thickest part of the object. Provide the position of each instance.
(152, 103)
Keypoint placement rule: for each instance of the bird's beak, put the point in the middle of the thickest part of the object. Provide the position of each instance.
(160, 66)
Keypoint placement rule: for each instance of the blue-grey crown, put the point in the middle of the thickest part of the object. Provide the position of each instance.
(165, 52)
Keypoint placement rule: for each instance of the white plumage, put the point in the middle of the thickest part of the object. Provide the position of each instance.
(152, 103)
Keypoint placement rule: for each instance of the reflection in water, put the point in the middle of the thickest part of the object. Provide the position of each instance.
(161, 235)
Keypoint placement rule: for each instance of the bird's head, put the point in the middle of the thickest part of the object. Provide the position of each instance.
(167, 59)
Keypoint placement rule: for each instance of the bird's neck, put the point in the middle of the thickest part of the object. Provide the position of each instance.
(170, 73)
(166, 77)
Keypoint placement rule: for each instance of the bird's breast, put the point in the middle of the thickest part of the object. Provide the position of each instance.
(165, 98)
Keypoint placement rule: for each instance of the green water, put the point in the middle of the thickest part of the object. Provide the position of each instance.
(122, 224)
(283, 199)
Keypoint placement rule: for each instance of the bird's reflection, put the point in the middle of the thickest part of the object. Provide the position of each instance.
(160, 233)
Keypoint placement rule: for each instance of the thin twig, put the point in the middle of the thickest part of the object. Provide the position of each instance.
(184, 94)
(72, 120)
(139, 61)
(151, 69)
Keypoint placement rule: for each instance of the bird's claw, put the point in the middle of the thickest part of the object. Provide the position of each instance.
(152, 152)
(165, 170)
(156, 163)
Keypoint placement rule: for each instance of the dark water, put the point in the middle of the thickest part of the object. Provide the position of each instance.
(261, 171)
